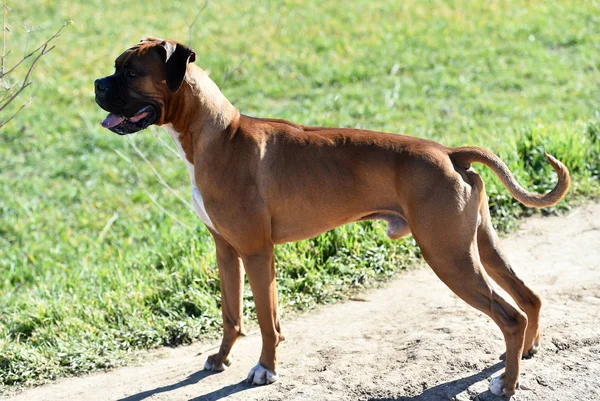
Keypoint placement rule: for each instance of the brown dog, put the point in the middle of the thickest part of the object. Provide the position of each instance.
(260, 182)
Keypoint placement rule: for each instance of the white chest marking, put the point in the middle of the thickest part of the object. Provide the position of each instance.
(197, 201)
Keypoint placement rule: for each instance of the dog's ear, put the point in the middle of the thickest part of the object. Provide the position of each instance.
(177, 57)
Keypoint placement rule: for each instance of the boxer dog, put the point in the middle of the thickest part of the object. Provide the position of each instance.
(258, 182)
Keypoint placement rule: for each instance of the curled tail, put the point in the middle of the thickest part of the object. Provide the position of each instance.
(468, 154)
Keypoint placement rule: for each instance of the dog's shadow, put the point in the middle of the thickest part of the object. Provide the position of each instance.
(441, 392)
(192, 379)
(450, 390)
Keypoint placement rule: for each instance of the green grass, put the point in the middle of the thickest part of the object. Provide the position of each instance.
(99, 259)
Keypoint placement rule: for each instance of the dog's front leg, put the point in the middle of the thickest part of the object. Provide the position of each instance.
(232, 279)
(260, 269)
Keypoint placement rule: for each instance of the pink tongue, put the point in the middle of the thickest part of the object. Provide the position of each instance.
(111, 120)
(138, 117)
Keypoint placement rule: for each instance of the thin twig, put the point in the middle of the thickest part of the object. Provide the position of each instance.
(158, 175)
(4, 28)
(229, 73)
(152, 198)
(3, 123)
(26, 81)
(107, 226)
(165, 211)
(43, 45)
(27, 43)
(128, 160)
(165, 144)
(9, 96)
(6, 94)
(190, 26)
(29, 29)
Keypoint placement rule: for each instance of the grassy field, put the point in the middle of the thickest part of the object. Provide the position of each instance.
(99, 258)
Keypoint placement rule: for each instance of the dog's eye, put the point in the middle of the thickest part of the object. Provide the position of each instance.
(131, 74)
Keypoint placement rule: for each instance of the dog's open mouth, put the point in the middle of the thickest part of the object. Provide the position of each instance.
(123, 125)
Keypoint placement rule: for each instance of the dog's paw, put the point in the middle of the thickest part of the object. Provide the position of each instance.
(212, 364)
(259, 375)
(215, 368)
(497, 387)
(532, 351)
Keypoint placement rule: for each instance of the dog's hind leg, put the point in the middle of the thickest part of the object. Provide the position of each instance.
(444, 226)
(232, 280)
(498, 267)
(462, 272)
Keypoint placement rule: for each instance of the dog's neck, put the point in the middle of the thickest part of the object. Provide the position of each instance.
(210, 113)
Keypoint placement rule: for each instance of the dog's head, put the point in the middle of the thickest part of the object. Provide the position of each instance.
(146, 76)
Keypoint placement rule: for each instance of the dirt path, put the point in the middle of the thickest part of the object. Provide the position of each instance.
(413, 340)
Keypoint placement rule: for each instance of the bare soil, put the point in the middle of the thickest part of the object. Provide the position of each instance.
(413, 340)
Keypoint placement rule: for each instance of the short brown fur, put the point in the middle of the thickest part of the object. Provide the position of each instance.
(267, 181)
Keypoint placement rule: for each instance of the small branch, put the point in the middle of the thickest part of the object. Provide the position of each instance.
(107, 226)
(14, 95)
(9, 94)
(122, 156)
(26, 82)
(27, 43)
(166, 145)
(5, 95)
(29, 29)
(3, 123)
(43, 45)
(160, 178)
(4, 28)
(152, 198)
(191, 26)
(165, 211)
(229, 73)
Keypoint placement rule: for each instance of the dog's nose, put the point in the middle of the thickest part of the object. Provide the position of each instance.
(100, 85)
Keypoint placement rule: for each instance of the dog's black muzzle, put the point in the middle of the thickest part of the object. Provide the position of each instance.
(126, 116)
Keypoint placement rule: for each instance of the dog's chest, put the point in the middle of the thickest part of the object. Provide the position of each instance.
(197, 200)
